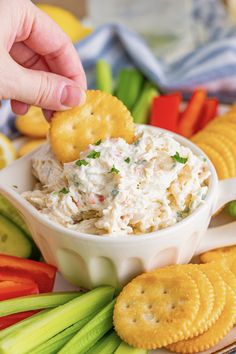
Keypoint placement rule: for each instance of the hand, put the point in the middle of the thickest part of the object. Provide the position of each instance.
(38, 63)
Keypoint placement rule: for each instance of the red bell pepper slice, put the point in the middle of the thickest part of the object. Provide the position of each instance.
(165, 111)
(6, 321)
(42, 274)
(209, 112)
(10, 289)
(191, 115)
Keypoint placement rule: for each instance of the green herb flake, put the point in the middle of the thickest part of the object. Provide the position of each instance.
(114, 192)
(64, 191)
(136, 143)
(114, 170)
(98, 142)
(14, 186)
(81, 163)
(178, 158)
(94, 154)
(127, 160)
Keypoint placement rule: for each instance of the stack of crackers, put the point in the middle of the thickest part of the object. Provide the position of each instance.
(217, 140)
(186, 308)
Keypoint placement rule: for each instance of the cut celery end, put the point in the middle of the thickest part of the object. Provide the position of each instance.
(35, 302)
(91, 332)
(11, 329)
(142, 107)
(54, 344)
(124, 348)
(106, 345)
(103, 76)
(55, 321)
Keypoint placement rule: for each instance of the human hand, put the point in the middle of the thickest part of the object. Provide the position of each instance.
(38, 63)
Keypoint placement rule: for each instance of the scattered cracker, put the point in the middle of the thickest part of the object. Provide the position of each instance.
(101, 116)
(33, 123)
(215, 333)
(156, 308)
(226, 254)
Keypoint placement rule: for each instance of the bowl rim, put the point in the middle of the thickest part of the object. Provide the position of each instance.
(131, 237)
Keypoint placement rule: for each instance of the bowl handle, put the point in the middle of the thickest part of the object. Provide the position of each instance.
(225, 235)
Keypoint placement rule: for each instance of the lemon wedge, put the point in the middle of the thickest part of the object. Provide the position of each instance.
(67, 21)
(7, 151)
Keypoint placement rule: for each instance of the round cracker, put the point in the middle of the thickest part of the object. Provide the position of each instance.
(207, 298)
(33, 123)
(101, 116)
(223, 253)
(156, 308)
(215, 333)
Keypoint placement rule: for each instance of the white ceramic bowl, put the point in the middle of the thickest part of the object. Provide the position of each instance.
(89, 260)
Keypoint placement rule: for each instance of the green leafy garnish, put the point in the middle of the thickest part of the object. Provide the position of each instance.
(64, 191)
(114, 192)
(127, 160)
(114, 170)
(81, 162)
(98, 142)
(178, 158)
(94, 154)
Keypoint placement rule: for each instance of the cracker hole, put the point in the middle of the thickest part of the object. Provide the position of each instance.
(134, 320)
(150, 307)
(142, 291)
(173, 307)
(127, 306)
(165, 292)
(157, 320)
(74, 147)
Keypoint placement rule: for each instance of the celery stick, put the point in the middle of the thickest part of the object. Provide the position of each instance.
(124, 348)
(106, 345)
(122, 84)
(132, 86)
(142, 107)
(91, 332)
(103, 76)
(35, 302)
(4, 332)
(55, 343)
(55, 321)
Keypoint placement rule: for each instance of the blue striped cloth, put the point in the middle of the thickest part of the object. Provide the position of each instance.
(212, 64)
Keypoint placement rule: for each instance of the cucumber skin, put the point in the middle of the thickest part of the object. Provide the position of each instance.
(55, 321)
(13, 232)
(124, 348)
(95, 329)
(106, 345)
(10, 212)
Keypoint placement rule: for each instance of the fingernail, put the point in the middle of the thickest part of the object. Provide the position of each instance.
(72, 96)
(47, 114)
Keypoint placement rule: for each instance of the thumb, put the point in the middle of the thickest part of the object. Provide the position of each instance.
(47, 90)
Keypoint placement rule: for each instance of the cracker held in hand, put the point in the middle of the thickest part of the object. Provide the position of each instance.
(101, 116)
(156, 309)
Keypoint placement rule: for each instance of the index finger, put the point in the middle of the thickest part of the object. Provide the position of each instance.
(47, 39)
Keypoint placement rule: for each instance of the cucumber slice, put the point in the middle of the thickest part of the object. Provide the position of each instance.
(10, 212)
(124, 348)
(13, 240)
(106, 345)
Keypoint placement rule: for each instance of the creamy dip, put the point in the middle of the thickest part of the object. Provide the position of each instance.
(116, 188)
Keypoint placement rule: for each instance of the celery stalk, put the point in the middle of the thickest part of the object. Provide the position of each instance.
(103, 76)
(55, 321)
(91, 332)
(106, 345)
(124, 348)
(4, 332)
(55, 343)
(142, 107)
(35, 302)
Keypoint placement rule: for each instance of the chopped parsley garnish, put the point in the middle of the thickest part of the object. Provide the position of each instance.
(94, 154)
(98, 142)
(178, 158)
(14, 186)
(127, 160)
(114, 192)
(136, 142)
(81, 162)
(64, 191)
(114, 170)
